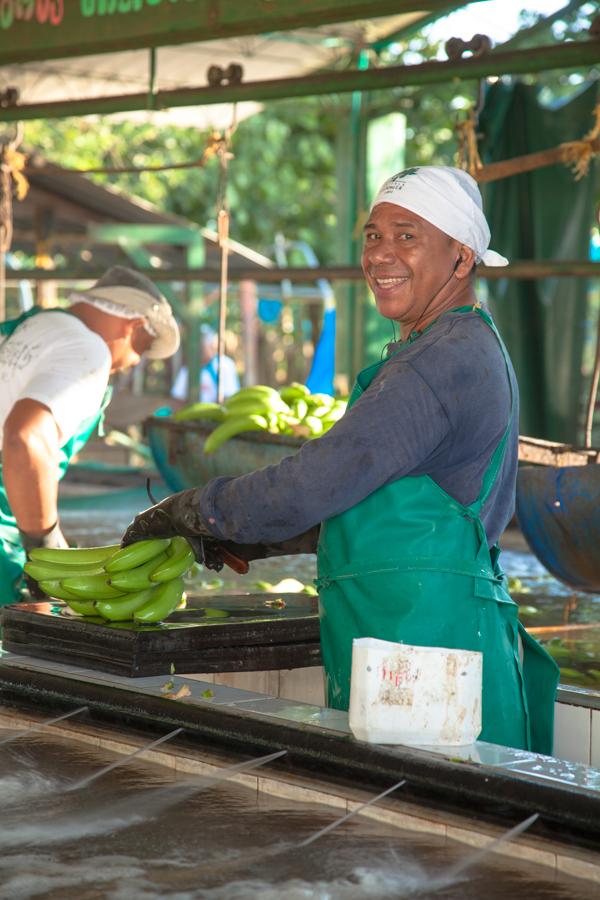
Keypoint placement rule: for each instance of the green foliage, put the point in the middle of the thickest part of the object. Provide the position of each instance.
(282, 177)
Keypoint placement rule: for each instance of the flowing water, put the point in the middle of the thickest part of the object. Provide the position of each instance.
(544, 602)
(140, 832)
(80, 823)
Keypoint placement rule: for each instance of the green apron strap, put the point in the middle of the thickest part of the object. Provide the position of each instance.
(491, 473)
(10, 325)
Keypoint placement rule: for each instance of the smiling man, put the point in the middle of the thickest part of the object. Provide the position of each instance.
(410, 491)
(54, 370)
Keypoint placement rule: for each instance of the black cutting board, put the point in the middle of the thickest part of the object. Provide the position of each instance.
(254, 633)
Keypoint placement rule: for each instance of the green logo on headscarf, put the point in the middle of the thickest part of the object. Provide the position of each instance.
(406, 172)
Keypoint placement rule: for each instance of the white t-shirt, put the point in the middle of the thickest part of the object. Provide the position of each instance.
(55, 359)
(208, 381)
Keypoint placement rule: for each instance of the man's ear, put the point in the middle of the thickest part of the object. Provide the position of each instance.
(465, 262)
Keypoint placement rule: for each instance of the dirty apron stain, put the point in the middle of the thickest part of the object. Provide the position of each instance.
(12, 554)
(411, 564)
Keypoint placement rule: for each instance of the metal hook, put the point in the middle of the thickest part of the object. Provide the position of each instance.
(149, 492)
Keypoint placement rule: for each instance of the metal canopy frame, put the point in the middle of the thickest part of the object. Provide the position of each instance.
(568, 55)
(523, 269)
(59, 28)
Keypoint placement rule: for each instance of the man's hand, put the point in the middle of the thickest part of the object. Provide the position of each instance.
(177, 514)
(180, 514)
(301, 543)
(52, 538)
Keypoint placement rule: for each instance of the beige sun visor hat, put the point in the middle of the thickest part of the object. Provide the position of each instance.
(128, 294)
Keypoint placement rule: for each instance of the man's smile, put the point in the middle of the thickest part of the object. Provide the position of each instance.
(390, 281)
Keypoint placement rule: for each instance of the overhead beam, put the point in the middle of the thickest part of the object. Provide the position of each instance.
(67, 28)
(566, 55)
(403, 34)
(526, 269)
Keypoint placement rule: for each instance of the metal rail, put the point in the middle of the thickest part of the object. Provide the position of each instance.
(566, 55)
(524, 269)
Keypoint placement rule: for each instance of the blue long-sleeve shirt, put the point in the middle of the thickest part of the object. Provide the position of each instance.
(438, 407)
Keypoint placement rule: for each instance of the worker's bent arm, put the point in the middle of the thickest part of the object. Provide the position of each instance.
(30, 466)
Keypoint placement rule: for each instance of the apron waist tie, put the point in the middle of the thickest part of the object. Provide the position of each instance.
(419, 564)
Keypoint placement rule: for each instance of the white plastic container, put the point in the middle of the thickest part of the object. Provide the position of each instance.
(402, 694)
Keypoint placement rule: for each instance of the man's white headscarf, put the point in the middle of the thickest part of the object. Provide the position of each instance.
(449, 199)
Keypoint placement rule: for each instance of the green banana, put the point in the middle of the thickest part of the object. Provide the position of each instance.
(320, 411)
(255, 405)
(91, 587)
(136, 554)
(212, 411)
(315, 424)
(165, 599)
(254, 390)
(122, 609)
(293, 391)
(333, 415)
(300, 408)
(180, 557)
(231, 427)
(320, 400)
(283, 424)
(55, 571)
(83, 607)
(138, 578)
(55, 589)
(72, 556)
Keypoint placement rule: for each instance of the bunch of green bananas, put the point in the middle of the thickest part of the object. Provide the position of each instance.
(292, 410)
(142, 582)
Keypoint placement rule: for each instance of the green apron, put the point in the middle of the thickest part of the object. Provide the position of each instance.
(412, 565)
(12, 554)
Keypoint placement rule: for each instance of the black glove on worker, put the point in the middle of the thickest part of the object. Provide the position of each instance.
(300, 543)
(53, 538)
(180, 514)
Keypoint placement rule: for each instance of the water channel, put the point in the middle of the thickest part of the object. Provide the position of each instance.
(143, 832)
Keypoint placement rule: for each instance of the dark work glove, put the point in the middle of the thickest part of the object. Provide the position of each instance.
(53, 538)
(301, 543)
(179, 514)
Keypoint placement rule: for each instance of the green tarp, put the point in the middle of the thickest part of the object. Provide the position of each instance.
(544, 214)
